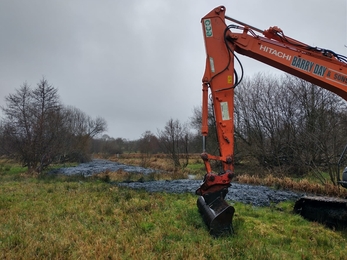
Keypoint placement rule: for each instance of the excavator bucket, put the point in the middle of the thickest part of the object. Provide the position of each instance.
(331, 212)
(218, 215)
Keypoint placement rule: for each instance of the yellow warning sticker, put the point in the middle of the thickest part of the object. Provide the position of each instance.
(230, 79)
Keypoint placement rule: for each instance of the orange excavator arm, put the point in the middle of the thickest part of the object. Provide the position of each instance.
(319, 66)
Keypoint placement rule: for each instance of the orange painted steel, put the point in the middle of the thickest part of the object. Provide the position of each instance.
(321, 67)
(318, 66)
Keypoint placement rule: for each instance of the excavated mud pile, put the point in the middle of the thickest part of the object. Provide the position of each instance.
(250, 194)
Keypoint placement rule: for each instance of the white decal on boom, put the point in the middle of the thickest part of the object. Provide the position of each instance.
(272, 51)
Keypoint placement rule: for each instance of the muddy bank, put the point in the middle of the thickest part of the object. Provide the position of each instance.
(249, 194)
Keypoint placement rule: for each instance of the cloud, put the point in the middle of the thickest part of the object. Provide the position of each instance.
(138, 63)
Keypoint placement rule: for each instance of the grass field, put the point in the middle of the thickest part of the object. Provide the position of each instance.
(77, 218)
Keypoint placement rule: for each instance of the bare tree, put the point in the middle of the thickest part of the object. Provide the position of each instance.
(32, 125)
(289, 123)
(109, 145)
(321, 121)
(37, 129)
(148, 145)
(174, 140)
(286, 125)
(80, 129)
(258, 118)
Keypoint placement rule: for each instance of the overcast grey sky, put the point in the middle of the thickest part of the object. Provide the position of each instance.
(138, 63)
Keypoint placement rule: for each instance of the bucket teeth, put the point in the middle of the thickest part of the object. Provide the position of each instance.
(217, 215)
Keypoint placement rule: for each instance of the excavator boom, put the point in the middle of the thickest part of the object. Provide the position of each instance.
(319, 66)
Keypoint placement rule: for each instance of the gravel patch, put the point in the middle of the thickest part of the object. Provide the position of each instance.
(249, 194)
(98, 166)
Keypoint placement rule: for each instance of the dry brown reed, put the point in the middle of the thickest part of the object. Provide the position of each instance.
(303, 185)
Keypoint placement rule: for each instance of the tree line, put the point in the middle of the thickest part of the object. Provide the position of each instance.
(282, 123)
(288, 124)
(37, 129)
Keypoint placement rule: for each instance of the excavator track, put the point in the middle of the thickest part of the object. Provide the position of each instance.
(329, 211)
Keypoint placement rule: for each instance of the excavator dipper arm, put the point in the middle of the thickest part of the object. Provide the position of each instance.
(219, 82)
(319, 66)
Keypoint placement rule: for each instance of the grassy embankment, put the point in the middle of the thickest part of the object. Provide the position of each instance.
(77, 218)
